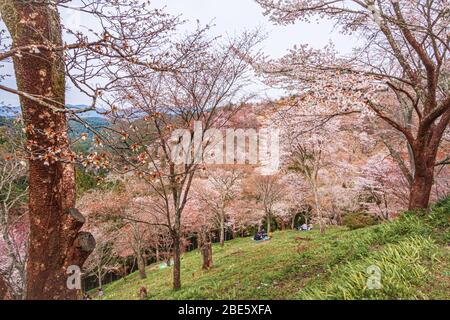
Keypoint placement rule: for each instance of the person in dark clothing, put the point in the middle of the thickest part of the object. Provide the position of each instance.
(260, 235)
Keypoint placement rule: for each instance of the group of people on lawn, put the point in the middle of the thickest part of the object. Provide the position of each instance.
(263, 235)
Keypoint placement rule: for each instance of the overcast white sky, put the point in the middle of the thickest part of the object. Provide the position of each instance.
(233, 16)
(230, 17)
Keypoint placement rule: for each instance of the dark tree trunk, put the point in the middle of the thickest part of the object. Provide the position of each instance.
(176, 262)
(55, 240)
(423, 178)
(206, 250)
(141, 266)
(282, 224)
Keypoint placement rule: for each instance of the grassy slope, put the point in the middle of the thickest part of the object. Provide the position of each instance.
(412, 253)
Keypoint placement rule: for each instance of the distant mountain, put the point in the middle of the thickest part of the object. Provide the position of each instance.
(14, 111)
(77, 128)
(87, 114)
(9, 111)
(89, 119)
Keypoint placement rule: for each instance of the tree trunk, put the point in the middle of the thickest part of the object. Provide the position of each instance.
(268, 222)
(157, 254)
(222, 229)
(422, 183)
(55, 240)
(124, 266)
(210, 255)
(318, 210)
(176, 262)
(206, 250)
(141, 266)
(100, 279)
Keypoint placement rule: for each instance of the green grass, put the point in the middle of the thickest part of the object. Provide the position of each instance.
(412, 254)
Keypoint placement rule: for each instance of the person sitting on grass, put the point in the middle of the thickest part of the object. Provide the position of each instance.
(261, 235)
(305, 227)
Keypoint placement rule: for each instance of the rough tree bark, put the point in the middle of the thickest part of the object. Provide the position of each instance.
(269, 221)
(141, 266)
(55, 239)
(422, 183)
(425, 148)
(206, 250)
(176, 261)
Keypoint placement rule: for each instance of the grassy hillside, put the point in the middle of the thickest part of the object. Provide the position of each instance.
(412, 253)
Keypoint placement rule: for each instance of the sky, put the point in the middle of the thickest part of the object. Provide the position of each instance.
(228, 17)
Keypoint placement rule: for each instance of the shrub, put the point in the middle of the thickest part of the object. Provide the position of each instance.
(357, 220)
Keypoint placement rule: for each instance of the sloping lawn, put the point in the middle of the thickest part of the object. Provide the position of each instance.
(411, 253)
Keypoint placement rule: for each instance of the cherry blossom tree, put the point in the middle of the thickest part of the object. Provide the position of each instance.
(383, 187)
(118, 217)
(199, 220)
(103, 259)
(399, 74)
(162, 114)
(219, 190)
(13, 215)
(245, 214)
(269, 191)
(313, 142)
(294, 202)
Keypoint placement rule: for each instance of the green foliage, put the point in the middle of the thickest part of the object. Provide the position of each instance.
(439, 220)
(405, 250)
(87, 180)
(357, 220)
(77, 128)
(404, 269)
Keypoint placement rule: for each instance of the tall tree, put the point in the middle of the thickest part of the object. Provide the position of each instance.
(55, 238)
(269, 191)
(218, 191)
